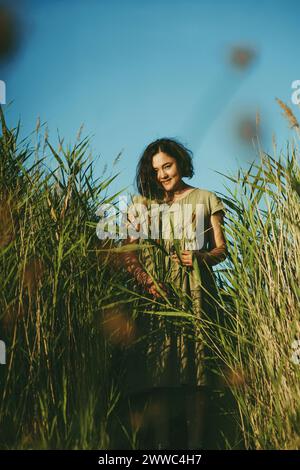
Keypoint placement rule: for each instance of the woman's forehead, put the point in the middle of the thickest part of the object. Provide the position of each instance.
(161, 158)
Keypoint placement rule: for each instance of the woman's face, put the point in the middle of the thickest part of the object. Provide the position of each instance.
(167, 171)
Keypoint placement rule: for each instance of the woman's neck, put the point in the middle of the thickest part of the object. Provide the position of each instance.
(179, 191)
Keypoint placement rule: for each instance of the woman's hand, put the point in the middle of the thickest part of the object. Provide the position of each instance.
(152, 289)
(217, 242)
(147, 282)
(186, 258)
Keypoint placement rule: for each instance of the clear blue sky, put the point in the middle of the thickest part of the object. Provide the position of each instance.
(135, 70)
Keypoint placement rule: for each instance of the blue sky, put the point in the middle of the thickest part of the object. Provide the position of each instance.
(132, 71)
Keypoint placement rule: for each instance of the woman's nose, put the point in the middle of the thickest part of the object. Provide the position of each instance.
(163, 174)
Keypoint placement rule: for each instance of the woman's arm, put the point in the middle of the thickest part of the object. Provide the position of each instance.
(132, 264)
(130, 258)
(217, 242)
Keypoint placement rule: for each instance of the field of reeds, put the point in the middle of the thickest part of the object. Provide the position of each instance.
(69, 312)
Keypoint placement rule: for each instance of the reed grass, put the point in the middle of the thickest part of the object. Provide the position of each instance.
(70, 313)
(57, 389)
(260, 308)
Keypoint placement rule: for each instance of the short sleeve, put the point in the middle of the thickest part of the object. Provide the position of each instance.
(216, 204)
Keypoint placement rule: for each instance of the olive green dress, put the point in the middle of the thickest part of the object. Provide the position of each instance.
(171, 351)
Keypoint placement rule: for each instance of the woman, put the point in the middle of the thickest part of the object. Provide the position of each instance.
(174, 355)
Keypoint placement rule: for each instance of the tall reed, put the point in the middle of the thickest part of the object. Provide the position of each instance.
(258, 329)
(57, 389)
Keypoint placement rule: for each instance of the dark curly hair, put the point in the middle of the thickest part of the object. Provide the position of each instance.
(146, 180)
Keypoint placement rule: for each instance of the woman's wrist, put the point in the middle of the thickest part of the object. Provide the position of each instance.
(201, 256)
(142, 277)
(212, 257)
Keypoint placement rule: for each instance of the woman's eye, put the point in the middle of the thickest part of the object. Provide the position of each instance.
(167, 166)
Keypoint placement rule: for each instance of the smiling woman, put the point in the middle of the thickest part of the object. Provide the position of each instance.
(174, 269)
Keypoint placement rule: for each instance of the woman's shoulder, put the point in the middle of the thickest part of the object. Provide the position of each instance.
(212, 202)
(202, 193)
(209, 198)
(137, 201)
